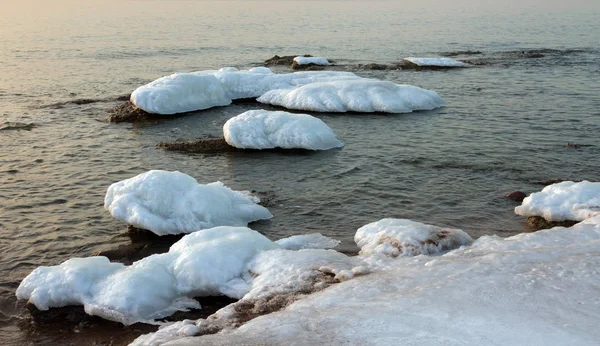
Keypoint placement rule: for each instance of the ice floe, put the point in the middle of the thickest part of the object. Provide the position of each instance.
(260, 129)
(180, 93)
(537, 289)
(323, 91)
(172, 202)
(566, 200)
(401, 237)
(437, 62)
(361, 95)
(210, 262)
(302, 60)
(308, 241)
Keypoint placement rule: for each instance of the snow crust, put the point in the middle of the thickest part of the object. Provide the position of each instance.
(210, 262)
(180, 93)
(301, 60)
(360, 95)
(531, 289)
(260, 129)
(401, 237)
(440, 62)
(308, 241)
(566, 200)
(172, 202)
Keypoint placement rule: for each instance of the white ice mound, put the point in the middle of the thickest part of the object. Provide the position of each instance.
(566, 200)
(436, 62)
(172, 202)
(362, 95)
(260, 129)
(401, 237)
(240, 84)
(308, 241)
(210, 262)
(179, 93)
(315, 60)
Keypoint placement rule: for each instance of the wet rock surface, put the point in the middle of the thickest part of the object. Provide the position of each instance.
(128, 112)
(306, 67)
(408, 65)
(538, 223)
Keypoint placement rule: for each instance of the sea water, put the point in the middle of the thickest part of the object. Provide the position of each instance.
(505, 128)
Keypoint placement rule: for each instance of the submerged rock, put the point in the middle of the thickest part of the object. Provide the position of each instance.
(517, 196)
(128, 112)
(10, 125)
(462, 52)
(539, 223)
(202, 146)
(306, 67)
(374, 66)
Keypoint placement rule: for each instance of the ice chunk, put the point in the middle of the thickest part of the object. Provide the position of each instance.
(362, 95)
(210, 262)
(179, 93)
(308, 241)
(301, 60)
(401, 237)
(260, 129)
(172, 202)
(566, 200)
(438, 62)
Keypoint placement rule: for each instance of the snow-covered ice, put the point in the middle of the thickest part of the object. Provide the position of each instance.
(531, 289)
(566, 200)
(210, 262)
(315, 60)
(260, 129)
(172, 202)
(180, 93)
(360, 95)
(401, 237)
(439, 62)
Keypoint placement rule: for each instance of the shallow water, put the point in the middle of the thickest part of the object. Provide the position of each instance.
(505, 126)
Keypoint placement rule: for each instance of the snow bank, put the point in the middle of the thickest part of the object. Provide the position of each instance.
(210, 262)
(401, 237)
(260, 129)
(439, 62)
(362, 95)
(180, 93)
(563, 201)
(532, 289)
(301, 60)
(172, 202)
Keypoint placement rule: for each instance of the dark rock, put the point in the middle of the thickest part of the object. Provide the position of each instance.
(538, 223)
(374, 66)
(462, 52)
(128, 112)
(283, 60)
(516, 196)
(203, 145)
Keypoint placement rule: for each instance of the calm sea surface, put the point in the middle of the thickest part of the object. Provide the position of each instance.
(505, 126)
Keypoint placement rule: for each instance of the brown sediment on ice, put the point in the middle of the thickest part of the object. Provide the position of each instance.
(538, 223)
